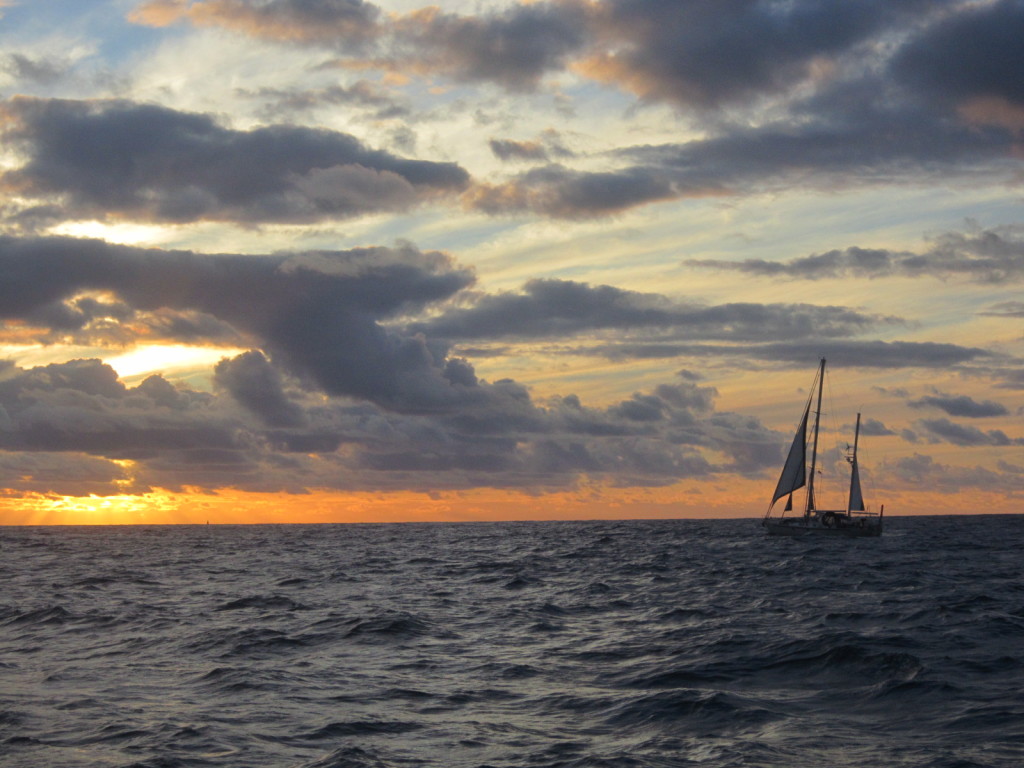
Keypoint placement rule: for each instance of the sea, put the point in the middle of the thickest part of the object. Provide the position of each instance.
(622, 644)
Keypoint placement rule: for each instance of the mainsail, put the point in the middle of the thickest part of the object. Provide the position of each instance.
(794, 472)
(856, 499)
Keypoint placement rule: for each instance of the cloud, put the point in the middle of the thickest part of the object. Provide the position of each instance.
(561, 192)
(694, 56)
(987, 256)
(875, 428)
(921, 470)
(971, 60)
(549, 308)
(818, 152)
(330, 22)
(337, 391)
(844, 111)
(713, 54)
(507, 149)
(81, 406)
(648, 439)
(617, 324)
(362, 94)
(104, 159)
(98, 321)
(27, 472)
(960, 405)
(257, 386)
(797, 93)
(74, 429)
(1012, 378)
(944, 430)
(838, 118)
(514, 47)
(841, 353)
(328, 396)
(317, 314)
(1005, 309)
(44, 71)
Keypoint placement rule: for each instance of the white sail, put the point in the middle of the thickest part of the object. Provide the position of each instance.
(856, 499)
(794, 472)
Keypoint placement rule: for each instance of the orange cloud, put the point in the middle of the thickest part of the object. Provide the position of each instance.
(282, 22)
(993, 111)
(159, 13)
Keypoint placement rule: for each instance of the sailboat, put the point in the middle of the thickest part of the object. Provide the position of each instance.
(853, 521)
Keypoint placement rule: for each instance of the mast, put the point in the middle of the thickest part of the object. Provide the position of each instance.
(814, 448)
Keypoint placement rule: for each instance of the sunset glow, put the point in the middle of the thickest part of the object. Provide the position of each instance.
(165, 359)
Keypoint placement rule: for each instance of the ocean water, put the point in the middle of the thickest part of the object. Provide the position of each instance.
(577, 644)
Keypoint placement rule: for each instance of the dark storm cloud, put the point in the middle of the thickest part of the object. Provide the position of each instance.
(960, 405)
(974, 53)
(62, 426)
(711, 54)
(424, 424)
(514, 47)
(944, 430)
(990, 256)
(118, 158)
(316, 313)
(81, 406)
(555, 309)
(257, 386)
(648, 439)
(75, 429)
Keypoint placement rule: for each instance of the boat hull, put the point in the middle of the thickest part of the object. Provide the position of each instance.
(800, 528)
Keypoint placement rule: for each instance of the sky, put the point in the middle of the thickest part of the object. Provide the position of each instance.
(347, 261)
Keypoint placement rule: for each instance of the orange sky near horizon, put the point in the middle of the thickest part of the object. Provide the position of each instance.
(688, 500)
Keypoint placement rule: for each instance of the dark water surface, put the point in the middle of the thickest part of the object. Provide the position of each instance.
(597, 644)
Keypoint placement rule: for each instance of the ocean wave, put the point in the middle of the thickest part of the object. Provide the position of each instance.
(263, 602)
(624, 644)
